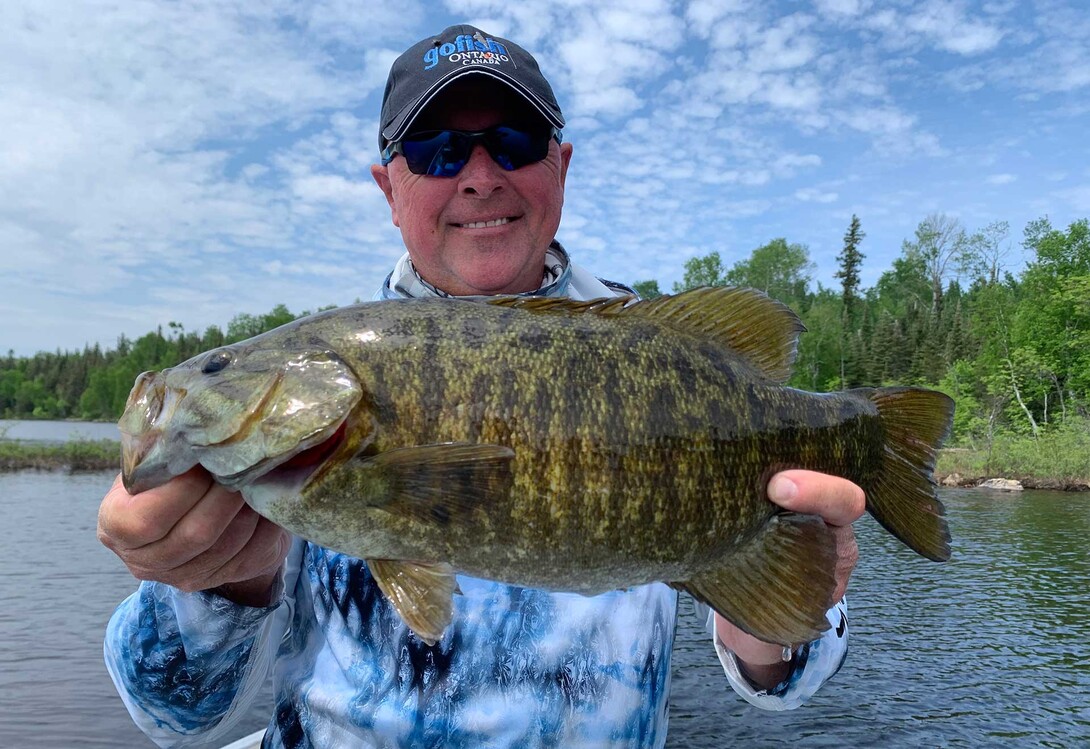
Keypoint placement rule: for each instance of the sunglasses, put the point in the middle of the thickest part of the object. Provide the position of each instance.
(443, 153)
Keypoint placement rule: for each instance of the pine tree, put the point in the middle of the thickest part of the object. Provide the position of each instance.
(850, 260)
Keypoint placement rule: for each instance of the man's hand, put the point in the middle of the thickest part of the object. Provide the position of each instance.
(195, 535)
(840, 503)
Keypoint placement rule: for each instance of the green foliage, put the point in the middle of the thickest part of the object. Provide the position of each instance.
(959, 384)
(850, 347)
(77, 455)
(247, 326)
(647, 289)
(851, 260)
(702, 271)
(1062, 453)
(779, 269)
(94, 385)
(818, 364)
(941, 245)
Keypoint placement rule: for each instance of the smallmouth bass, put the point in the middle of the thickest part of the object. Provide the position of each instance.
(578, 446)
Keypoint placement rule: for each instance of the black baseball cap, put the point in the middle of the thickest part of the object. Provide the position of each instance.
(427, 67)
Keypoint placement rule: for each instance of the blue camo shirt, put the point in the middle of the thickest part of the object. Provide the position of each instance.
(517, 668)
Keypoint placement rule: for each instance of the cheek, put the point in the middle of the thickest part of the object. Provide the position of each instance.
(417, 206)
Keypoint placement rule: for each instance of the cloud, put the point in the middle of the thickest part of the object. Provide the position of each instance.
(948, 25)
(813, 195)
(1050, 53)
(132, 142)
(841, 7)
(163, 160)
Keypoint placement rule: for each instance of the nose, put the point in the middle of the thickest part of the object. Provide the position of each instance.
(481, 176)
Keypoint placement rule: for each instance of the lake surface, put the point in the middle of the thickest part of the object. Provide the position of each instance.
(57, 431)
(992, 648)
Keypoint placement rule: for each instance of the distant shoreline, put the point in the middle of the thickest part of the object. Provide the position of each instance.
(955, 467)
(74, 455)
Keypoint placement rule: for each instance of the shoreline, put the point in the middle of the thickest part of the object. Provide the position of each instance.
(105, 455)
(74, 456)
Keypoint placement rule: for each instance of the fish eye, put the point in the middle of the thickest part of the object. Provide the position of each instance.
(217, 362)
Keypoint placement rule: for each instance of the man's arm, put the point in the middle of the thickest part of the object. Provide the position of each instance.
(811, 665)
(188, 665)
(191, 648)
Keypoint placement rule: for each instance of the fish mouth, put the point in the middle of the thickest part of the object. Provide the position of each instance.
(293, 468)
(149, 405)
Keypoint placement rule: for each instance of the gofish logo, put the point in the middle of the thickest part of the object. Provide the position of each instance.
(468, 50)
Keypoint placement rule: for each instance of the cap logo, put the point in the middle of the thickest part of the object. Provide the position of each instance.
(467, 50)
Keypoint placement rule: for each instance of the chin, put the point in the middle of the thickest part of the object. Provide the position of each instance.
(493, 274)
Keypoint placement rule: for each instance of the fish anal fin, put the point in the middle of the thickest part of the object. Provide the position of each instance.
(420, 593)
(779, 585)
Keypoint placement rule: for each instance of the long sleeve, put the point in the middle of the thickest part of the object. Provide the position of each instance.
(815, 663)
(188, 665)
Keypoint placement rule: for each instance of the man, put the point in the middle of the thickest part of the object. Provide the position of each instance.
(473, 166)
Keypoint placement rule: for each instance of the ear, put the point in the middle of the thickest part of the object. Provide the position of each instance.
(565, 159)
(381, 175)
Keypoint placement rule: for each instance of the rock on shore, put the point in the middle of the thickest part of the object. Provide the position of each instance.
(956, 480)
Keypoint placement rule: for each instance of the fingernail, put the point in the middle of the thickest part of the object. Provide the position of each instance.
(782, 489)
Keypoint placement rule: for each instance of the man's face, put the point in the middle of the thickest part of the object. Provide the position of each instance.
(485, 230)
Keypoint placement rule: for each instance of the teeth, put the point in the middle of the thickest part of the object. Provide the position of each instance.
(486, 224)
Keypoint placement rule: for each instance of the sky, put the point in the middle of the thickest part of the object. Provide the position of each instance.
(187, 161)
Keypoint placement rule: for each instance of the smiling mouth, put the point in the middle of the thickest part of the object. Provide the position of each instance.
(486, 224)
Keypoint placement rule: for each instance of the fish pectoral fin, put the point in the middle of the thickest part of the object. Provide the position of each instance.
(442, 483)
(420, 593)
(779, 585)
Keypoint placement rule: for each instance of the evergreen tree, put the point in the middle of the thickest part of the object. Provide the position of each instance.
(850, 259)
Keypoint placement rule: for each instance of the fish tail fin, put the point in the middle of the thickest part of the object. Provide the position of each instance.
(903, 495)
(778, 585)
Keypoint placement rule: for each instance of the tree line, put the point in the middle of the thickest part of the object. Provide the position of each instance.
(93, 384)
(1013, 349)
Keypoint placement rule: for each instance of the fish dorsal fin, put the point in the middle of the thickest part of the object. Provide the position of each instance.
(611, 305)
(762, 330)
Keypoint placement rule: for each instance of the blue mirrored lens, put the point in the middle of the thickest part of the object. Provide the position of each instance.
(443, 153)
(440, 153)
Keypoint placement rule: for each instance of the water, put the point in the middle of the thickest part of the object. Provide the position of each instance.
(992, 648)
(58, 587)
(57, 431)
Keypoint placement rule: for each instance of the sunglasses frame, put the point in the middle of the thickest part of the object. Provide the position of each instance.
(485, 137)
